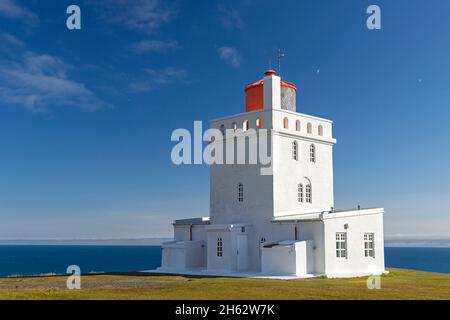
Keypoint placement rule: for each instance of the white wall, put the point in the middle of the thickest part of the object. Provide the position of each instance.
(173, 257)
(272, 92)
(296, 258)
(195, 254)
(315, 231)
(355, 263)
(228, 261)
(288, 173)
(183, 255)
(278, 260)
(223, 263)
(181, 232)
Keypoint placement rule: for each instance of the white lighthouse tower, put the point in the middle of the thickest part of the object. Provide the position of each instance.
(283, 223)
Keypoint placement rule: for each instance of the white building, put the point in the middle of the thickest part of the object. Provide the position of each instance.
(282, 224)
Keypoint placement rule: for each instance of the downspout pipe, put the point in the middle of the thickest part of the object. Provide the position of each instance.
(295, 231)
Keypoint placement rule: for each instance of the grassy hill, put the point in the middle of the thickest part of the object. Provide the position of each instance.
(399, 284)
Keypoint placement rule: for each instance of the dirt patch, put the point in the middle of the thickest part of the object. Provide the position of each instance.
(86, 283)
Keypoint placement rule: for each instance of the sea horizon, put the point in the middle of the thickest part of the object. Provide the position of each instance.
(390, 241)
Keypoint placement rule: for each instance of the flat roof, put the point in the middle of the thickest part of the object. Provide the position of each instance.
(324, 215)
(193, 221)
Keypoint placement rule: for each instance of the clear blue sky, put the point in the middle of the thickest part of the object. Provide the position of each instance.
(86, 116)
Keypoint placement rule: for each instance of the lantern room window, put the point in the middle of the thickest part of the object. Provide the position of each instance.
(259, 123)
(245, 125)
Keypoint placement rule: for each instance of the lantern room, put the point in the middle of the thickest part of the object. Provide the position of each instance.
(271, 87)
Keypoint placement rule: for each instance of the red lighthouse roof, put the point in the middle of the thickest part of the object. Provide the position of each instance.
(254, 92)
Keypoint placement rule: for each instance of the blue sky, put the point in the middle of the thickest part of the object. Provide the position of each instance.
(86, 116)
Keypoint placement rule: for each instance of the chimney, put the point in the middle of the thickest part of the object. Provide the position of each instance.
(272, 90)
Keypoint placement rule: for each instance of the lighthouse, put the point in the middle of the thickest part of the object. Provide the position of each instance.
(279, 224)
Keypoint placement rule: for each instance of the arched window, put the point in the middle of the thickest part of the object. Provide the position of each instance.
(234, 126)
(309, 127)
(219, 247)
(300, 192)
(295, 150)
(263, 240)
(312, 153)
(308, 193)
(222, 129)
(240, 192)
(285, 123)
(259, 123)
(297, 125)
(320, 130)
(245, 125)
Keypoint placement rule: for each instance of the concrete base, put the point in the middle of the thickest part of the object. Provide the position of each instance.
(356, 275)
(207, 273)
(259, 275)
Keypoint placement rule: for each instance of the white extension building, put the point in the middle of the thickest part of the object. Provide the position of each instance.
(283, 223)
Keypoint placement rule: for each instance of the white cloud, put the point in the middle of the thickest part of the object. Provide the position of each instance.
(230, 55)
(38, 82)
(157, 78)
(12, 9)
(230, 18)
(167, 75)
(141, 15)
(45, 64)
(146, 46)
(11, 39)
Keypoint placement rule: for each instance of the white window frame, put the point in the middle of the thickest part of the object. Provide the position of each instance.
(240, 192)
(300, 192)
(219, 247)
(341, 245)
(308, 193)
(312, 153)
(369, 245)
(295, 150)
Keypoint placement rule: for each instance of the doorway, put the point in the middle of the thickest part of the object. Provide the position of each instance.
(241, 252)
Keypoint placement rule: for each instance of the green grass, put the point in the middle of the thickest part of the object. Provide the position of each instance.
(398, 284)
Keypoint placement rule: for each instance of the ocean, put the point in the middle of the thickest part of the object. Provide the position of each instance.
(45, 259)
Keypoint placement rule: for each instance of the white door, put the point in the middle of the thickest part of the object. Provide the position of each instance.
(242, 252)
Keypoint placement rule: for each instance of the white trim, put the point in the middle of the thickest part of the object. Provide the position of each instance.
(298, 114)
